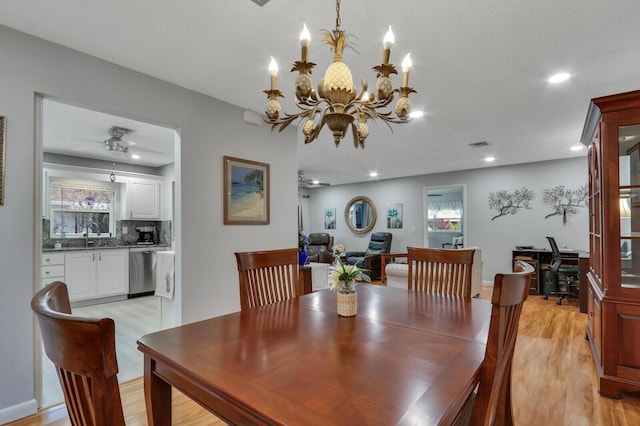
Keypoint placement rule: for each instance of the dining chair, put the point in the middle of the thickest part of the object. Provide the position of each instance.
(443, 271)
(83, 351)
(491, 404)
(268, 276)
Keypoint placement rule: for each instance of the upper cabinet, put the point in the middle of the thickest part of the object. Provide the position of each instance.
(134, 196)
(143, 199)
(612, 133)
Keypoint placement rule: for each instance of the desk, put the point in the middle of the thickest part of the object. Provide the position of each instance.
(407, 357)
(383, 263)
(541, 260)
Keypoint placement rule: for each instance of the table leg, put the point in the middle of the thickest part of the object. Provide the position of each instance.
(157, 396)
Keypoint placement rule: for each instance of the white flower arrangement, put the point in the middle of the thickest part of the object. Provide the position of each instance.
(338, 249)
(343, 276)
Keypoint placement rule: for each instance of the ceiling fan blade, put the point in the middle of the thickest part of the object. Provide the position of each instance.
(133, 148)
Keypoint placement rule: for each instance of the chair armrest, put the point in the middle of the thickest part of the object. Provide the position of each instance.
(354, 254)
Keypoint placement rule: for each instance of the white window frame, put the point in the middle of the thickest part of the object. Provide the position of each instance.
(89, 185)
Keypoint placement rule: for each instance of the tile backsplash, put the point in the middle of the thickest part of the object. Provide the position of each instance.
(163, 234)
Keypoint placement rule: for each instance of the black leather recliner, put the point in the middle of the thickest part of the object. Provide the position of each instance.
(380, 243)
(319, 248)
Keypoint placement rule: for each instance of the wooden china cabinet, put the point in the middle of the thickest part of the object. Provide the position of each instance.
(612, 133)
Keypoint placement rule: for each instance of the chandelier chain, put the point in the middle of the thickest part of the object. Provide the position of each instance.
(338, 21)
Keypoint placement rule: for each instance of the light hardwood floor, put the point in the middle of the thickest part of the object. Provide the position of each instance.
(133, 318)
(554, 380)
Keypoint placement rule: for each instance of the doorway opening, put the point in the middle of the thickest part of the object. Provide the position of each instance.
(444, 218)
(135, 174)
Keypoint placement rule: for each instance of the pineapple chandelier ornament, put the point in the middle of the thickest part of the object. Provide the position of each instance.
(335, 102)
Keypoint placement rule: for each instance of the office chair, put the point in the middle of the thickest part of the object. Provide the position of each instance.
(556, 269)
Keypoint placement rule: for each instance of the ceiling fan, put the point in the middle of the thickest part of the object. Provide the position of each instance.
(115, 143)
(305, 182)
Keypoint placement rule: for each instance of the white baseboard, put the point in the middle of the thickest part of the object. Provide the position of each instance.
(18, 411)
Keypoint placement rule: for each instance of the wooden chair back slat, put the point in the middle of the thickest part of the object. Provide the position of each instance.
(267, 277)
(83, 351)
(493, 402)
(440, 271)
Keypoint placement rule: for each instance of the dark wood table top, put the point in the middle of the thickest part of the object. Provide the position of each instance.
(406, 358)
(464, 318)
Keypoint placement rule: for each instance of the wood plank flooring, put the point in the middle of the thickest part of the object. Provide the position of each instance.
(133, 318)
(555, 382)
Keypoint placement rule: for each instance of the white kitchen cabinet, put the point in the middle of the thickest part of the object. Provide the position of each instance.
(112, 273)
(143, 199)
(93, 274)
(52, 267)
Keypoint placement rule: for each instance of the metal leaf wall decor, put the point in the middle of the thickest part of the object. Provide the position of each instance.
(565, 201)
(505, 202)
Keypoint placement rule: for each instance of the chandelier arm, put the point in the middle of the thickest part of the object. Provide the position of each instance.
(357, 142)
(309, 102)
(365, 86)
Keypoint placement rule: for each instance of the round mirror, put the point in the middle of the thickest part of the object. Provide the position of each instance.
(360, 215)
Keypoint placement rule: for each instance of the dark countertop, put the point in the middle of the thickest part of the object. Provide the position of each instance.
(126, 246)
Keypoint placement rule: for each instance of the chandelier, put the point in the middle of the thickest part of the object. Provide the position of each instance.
(335, 102)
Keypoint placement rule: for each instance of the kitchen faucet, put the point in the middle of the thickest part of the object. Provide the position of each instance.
(90, 224)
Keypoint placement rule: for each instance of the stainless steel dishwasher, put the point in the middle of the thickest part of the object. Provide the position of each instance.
(142, 262)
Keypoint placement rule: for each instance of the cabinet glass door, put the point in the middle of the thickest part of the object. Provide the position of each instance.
(629, 183)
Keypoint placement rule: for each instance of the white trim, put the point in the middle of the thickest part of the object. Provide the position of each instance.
(104, 173)
(38, 193)
(18, 411)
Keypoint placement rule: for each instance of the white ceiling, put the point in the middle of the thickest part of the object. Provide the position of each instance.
(480, 67)
(72, 130)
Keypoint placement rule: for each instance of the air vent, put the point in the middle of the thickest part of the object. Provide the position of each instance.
(260, 2)
(479, 144)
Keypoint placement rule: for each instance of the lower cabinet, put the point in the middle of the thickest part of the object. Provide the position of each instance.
(92, 274)
(52, 268)
(594, 324)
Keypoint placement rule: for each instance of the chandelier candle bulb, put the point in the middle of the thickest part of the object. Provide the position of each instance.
(273, 70)
(406, 66)
(305, 38)
(388, 44)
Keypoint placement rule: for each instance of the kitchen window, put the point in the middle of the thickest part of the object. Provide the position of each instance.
(76, 204)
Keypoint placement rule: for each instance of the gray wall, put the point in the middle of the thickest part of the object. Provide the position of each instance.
(209, 129)
(496, 237)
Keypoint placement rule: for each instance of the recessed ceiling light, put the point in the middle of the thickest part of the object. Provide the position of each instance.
(416, 114)
(373, 174)
(315, 182)
(559, 78)
(489, 159)
(577, 147)
(135, 156)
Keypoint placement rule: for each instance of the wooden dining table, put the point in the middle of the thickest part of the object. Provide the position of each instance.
(406, 358)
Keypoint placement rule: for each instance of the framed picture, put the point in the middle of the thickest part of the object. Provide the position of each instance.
(3, 140)
(246, 192)
(394, 216)
(330, 218)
